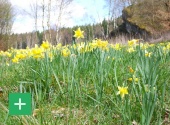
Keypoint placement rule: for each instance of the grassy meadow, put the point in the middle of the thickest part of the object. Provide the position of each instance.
(89, 83)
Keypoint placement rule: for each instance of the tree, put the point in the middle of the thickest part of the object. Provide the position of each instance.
(105, 27)
(34, 13)
(6, 21)
(61, 6)
(48, 20)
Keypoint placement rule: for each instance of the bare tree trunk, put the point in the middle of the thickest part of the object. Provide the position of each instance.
(33, 13)
(36, 16)
(48, 21)
(109, 19)
(58, 24)
(43, 13)
(62, 6)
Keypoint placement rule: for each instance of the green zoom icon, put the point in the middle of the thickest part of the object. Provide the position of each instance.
(20, 104)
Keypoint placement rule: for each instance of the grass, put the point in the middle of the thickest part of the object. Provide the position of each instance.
(78, 84)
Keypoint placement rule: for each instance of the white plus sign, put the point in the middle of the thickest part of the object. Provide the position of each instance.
(19, 103)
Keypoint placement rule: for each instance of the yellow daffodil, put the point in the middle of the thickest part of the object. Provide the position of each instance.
(100, 44)
(131, 69)
(133, 79)
(151, 45)
(37, 53)
(15, 60)
(136, 80)
(8, 54)
(148, 54)
(65, 52)
(78, 33)
(122, 91)
(131, 49)
(21, 56)
(168, 46)
(45, 45)
(5, 54)
(144, 46)
(133, 42)
(162, 44)
(117, 46)
(130, 79)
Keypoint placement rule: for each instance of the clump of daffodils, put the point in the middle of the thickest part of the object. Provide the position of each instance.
(98, 43)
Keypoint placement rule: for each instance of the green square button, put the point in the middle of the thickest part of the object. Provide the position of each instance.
(20, 103)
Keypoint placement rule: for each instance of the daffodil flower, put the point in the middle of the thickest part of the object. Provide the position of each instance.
(122, 91)
(78, 33)
(45, 45)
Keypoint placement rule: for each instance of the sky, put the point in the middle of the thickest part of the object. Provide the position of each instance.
(80, 12)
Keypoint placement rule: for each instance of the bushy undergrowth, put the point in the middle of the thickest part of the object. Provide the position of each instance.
(89, 83)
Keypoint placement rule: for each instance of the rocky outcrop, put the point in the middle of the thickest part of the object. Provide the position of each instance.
(149, 20)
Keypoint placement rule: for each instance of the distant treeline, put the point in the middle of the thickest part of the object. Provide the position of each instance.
(65, 35)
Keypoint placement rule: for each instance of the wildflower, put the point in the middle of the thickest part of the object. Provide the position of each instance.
(122, 91)
(45, 45)
(168, 46)
(50, 55)
(133, 42)
(130, 79)
(130, 50)
(65, 52)
(78, 33)
(81, 47)
(8, 54)
(21, 56)
(131, 69)
(151, 45)
(15, 60)
(164, 49)
(5, 54)
(136, 80)
(147, 54)
(37, 53)
(116, 46)
(102, 44)
(162, 44)
(58, 46)
(38, 56)
(144, 46)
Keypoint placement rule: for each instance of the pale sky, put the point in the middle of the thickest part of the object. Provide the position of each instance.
(81, 12)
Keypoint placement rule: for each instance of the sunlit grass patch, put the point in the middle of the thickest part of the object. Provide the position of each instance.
(92, 82)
